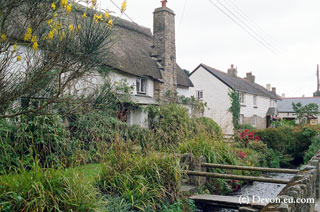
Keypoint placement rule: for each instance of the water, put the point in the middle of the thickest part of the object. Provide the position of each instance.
(258, 189)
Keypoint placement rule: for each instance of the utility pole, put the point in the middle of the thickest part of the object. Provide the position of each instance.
(318, 79)
(317, 93)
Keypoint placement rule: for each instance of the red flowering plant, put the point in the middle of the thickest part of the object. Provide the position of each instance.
(242, 155)
(234, 185)
(247, 136)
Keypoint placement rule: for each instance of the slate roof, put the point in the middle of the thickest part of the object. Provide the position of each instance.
(238, 83)
(131, 53)
(285, 105)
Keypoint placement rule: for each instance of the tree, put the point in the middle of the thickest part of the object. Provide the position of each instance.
(61, 42)
(306, 112)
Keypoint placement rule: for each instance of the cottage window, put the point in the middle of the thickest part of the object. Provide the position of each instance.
(199, 94)
(242, 98)
(254, 100)
(141, 85)
(254, 120)
(241, 119)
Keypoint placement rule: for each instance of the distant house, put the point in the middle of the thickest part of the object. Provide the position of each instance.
(286, 111)
(258, 104)
(148, 62)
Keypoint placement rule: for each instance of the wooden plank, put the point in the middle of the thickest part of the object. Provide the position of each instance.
(238, 177)
(228, 201)
(261, 169)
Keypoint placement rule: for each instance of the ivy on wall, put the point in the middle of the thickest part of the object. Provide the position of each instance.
(235, 107)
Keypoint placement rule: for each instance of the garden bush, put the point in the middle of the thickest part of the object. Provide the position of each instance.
(30, 138)
(313, 148)
(143, 181)
(290, 143)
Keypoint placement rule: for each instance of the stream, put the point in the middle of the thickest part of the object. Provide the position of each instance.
(257, 189)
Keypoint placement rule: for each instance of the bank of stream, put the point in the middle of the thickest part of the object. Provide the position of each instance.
(256, 190)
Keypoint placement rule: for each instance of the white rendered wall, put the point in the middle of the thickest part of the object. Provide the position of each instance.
(248, 109)
(138, 117)
(215, 93)
(131, 80)
(183, 91)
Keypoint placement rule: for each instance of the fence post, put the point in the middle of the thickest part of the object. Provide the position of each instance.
(196, 166)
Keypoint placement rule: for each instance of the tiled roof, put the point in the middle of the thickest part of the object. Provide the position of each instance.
(239, 84)
(285, 105)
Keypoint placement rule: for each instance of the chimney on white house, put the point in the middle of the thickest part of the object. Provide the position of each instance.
(233, 71)
(283, 95)
(268, 87)
(274, 90)
(250, 77)
(165, 47)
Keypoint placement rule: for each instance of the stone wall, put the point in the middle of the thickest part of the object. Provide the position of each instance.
(305, 185)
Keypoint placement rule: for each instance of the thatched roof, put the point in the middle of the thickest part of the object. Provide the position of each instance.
(132, 50)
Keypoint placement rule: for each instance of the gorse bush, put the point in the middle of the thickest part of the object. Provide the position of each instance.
(143, 181)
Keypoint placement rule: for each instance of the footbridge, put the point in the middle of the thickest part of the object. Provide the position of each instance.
(305, 185)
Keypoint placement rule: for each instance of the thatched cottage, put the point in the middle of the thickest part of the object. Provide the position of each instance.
(148, 61)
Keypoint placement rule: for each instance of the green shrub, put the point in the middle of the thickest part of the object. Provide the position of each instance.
(47, 190)
(206, 126)
(42, 138)
(290, 143)
(144, 181)
(313, 148)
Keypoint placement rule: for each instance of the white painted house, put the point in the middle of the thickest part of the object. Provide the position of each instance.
(258, 104)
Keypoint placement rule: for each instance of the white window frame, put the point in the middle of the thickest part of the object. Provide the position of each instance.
(255, 100)
(254, 120)
(242, 98)
(141, 85)
(199, 94)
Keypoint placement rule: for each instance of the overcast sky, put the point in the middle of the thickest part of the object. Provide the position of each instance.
(206, 35)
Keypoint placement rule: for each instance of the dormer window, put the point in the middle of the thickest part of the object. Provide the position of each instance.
(141, 85)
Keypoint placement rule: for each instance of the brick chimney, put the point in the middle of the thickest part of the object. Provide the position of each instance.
(232, 71)
(250, 77)
(274, 90)
(165, 46)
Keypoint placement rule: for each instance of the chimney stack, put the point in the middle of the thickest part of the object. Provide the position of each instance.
(165, 47)
(250, 77)
(268, 87)
(283, 95)
(233, 71)
(274, 90)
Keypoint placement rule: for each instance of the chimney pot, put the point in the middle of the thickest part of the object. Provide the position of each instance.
(283, 95)
(164, 3)
(274, 90)
(232, 71)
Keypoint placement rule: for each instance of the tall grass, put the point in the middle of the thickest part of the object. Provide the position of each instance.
(144, 181)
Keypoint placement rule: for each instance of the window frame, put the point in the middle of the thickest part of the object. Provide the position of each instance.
(242, 98)
(198, 96)
(254, 120)
(255, 100)
(141, 87)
